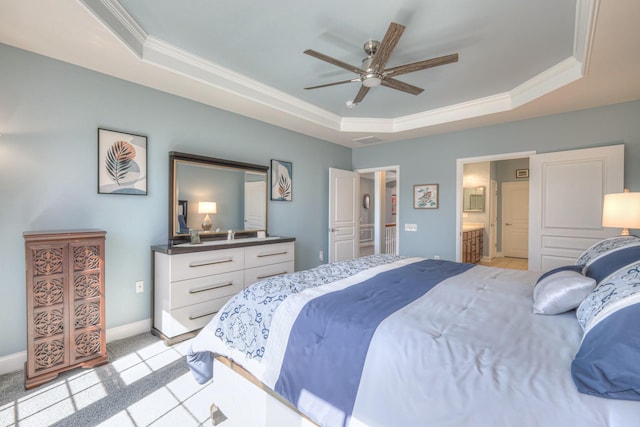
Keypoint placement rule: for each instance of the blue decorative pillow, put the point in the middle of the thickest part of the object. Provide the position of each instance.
(561, 289)
(604, 246)
(607, 363)
(602, 267)
(623, 283)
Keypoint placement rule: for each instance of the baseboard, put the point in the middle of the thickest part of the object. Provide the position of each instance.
(12, 362)
(15, 362)
(128, 330)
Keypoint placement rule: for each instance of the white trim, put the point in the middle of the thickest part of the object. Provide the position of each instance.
(12, 362)
(154, 51)
(15, 362)
(128, 330)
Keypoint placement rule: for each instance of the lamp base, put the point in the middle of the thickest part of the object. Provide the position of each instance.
(206, 223)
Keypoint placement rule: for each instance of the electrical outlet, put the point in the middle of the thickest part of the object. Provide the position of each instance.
(436, 257)
(321, 256)
(139, 286)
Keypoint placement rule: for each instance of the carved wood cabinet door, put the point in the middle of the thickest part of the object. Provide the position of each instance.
(65, 302)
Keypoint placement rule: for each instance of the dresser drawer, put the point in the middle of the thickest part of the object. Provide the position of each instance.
(256, 256)
(200, 264)
(192, 317)
(252, 275)
(192, 291)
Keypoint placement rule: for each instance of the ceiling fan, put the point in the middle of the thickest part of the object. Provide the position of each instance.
(373, 72)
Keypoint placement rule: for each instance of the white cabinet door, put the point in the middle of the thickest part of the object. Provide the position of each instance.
(566, 194)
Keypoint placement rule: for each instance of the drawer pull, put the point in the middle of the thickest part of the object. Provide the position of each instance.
(204, 263)
(210, 288)
(273, 254)
(202, 315)
(271, 275)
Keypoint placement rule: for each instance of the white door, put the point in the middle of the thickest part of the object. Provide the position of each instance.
(343, 214)
(255, 209)
(567, 191)
(493, 219)
(515, 219)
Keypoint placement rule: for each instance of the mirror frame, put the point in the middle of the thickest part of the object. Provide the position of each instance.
(175, 157)
(467, 192)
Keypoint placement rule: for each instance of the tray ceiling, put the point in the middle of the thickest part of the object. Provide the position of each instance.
(517, 59)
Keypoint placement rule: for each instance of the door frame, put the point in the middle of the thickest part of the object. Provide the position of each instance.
(378, 221)
(459, 180)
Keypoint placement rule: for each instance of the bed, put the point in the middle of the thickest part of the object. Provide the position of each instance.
(399, 341)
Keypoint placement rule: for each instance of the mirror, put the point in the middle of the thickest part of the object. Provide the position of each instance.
(214, 195)
(473, 199)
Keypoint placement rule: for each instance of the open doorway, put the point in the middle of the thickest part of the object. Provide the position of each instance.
(378, 210)
(490, 211)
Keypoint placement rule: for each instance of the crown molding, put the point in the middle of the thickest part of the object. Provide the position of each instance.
(161, 54)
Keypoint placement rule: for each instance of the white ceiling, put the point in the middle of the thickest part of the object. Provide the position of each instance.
(518, 59)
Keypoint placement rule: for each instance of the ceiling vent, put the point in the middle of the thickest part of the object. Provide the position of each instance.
(367, 140)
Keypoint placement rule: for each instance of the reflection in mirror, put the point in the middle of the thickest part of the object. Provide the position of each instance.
(231, 195)
(473, 199)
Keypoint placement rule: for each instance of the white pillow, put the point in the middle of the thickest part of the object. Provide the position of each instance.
(561, 291)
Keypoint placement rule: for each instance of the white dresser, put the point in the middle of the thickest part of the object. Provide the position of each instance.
(192, 282)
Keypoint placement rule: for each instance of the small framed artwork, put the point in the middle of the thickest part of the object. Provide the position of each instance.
(425, 196)
(394, 200)
(281, 180)
(122, 163)
(522, 173)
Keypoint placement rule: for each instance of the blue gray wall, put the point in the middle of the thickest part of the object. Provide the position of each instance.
(433, 160)
(49, 115)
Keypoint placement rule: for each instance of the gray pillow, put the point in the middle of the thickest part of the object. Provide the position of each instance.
(561, 290)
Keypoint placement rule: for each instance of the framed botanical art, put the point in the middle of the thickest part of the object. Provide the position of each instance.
(281, 180)
(122, 163)
(425, 196)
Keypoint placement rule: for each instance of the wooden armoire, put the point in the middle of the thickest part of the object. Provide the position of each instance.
(65, 302)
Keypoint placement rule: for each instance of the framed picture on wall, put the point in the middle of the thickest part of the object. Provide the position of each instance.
(425, 196)
(393, 204)
(122, 163)
(281, 181)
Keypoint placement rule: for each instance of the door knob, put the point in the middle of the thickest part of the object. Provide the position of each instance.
(508, 223)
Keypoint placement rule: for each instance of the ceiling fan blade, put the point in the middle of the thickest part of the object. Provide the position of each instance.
(361, 94)
(420, 65)
(404, 87)
(387, 45)
(334, 61)
(334, 83)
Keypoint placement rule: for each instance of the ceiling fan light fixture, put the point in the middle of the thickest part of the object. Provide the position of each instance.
(351, 104)
(372, 80)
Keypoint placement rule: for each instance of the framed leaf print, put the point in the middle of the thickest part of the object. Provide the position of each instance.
(122, 163)
(281, 180)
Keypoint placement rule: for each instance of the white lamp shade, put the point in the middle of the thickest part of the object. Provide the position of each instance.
(621, 210)
(207, 207)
